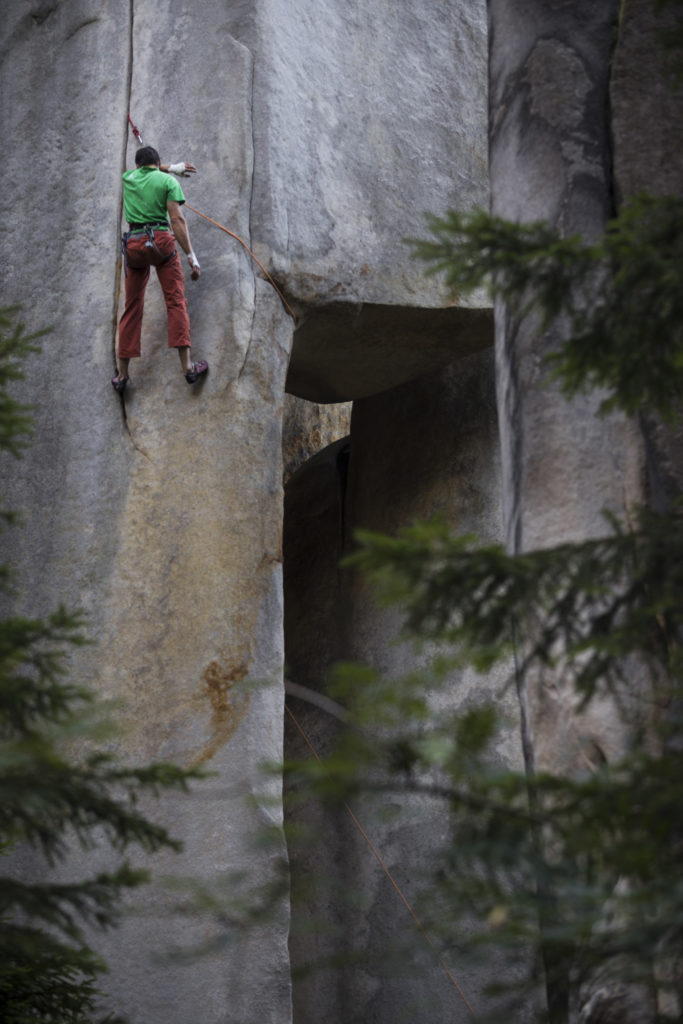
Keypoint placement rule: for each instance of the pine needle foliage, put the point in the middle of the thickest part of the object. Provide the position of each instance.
(52, 800)
(621, 296)
(16, 424)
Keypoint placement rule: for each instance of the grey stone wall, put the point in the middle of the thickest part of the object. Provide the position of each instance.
(646, 101)
(322, 131)
(563, 465)
(160, 516)
(430, 445)
(370, 115)
(580, 117)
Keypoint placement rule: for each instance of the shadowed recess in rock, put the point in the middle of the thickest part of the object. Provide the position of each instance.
(345, 351)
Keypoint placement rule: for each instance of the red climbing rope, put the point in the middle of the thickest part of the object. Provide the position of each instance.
(288, 308)
(256, 261)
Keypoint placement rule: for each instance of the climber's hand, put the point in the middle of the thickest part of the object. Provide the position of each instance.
(195, 270)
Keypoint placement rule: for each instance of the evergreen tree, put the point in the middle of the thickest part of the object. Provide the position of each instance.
(51, 799)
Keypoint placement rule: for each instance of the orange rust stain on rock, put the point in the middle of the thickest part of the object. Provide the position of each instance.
(228, 708)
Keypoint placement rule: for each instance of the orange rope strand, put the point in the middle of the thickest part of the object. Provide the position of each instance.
(386, 871)
(256, 261)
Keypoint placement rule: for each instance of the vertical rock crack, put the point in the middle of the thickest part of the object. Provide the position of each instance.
(118, 275)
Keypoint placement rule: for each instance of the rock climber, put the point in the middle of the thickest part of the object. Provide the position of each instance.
(151, 198)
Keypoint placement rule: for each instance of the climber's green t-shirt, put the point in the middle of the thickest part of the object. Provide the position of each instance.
(146, 190)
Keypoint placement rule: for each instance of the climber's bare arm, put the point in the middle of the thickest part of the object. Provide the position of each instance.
(180, 230)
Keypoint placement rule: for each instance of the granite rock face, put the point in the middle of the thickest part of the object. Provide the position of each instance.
(647, 122)
(563, 465)
(159, 515)
(581, 117)
(370, 116)
(321, 136)
(550, 160)
(345, 351)
(645, 100)
(309, 427)
(428, 445)
(323, 132)
(571, 102)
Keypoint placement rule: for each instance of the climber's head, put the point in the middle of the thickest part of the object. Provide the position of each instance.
(147, 155)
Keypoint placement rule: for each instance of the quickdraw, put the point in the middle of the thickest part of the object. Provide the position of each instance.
(136, 131)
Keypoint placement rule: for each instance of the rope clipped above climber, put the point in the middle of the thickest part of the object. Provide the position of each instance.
(175, 169)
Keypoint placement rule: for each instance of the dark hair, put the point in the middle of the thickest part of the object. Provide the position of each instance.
(147, 155)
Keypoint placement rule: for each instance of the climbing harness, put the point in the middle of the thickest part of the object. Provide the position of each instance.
(151, 244)
(136, 132)
(287, 307)
(147, 229)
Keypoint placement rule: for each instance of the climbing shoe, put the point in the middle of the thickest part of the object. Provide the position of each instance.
(198, 370)
(119, 383)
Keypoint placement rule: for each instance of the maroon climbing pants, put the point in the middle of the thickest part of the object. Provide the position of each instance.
(139, 258)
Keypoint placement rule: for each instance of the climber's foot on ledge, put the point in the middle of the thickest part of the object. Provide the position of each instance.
(197, 372)
(119, 383)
